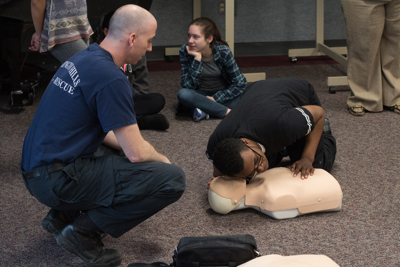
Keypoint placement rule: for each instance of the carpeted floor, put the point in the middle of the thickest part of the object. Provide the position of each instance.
(364, 233)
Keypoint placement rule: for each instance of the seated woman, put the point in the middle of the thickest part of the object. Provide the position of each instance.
(211, 81)
(277, 193)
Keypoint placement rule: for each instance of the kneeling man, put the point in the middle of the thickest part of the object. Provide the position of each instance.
(87, 103)
(274, 118)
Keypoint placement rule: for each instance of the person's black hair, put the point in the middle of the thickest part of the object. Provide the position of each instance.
(226, 157)
(208, 28)
(104, 22)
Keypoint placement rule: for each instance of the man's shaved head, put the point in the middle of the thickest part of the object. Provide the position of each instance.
(129, 19)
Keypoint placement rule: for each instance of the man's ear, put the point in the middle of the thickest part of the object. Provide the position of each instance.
(245, 141)
(132, 39)
(105, 31)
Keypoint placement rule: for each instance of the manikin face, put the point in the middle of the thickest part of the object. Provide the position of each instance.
(142, 42)
(254, 160)
(197, 41)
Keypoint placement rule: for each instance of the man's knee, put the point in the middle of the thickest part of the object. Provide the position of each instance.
(175, 180)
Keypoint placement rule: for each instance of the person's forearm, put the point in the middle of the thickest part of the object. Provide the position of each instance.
(38, 9)
(147, 153)
(136, 149)
(111, 141)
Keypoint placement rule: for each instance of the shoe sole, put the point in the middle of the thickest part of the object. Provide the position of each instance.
(359, 114)
(68, 246)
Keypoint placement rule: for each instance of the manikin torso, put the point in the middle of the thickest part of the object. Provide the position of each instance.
(308, 260)
(277, 193)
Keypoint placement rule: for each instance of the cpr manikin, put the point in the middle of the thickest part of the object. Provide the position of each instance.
(277, 193)
(291, 261)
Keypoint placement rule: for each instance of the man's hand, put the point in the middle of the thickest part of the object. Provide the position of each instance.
(35, 42)
(304, 165)
(197, 55)
(164, 159)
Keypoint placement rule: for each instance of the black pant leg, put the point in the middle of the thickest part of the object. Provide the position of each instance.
(324, 156)
(329, 151)
(148, 104)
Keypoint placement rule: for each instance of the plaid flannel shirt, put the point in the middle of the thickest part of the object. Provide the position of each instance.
(191, 72)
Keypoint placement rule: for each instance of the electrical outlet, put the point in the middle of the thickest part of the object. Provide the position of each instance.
(221, 7)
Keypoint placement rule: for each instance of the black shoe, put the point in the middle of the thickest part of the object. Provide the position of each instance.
(153, 122)
(56, 220)
(327, 127)
(88, 247)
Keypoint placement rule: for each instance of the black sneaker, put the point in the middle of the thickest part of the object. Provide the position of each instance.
(327, 127)
(88, 247)
(56, 220)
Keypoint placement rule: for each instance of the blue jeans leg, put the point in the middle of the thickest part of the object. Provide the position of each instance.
(198, 99)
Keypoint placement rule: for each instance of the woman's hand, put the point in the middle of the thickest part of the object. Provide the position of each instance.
(35, 42)
(196, 54)
(211, 98)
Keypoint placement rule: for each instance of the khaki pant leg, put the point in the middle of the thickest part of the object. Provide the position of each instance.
(365, 21)
(390, 54)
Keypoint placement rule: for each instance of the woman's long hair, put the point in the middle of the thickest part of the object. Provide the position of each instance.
(208, 27)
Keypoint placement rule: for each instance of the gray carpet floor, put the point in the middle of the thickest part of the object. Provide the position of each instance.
(364, 233)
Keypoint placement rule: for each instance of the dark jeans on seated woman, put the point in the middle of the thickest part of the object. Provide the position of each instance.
(198, 99)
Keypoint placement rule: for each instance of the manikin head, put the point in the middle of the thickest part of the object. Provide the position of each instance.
(239, 158)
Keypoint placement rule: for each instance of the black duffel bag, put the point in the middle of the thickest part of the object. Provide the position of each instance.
(210, 251)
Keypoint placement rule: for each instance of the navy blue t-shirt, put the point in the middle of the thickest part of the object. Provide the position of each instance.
(270, 112)
(87, 97)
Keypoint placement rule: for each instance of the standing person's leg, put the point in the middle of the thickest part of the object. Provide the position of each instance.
(390, 47)
(365, 21)
(64, 51)
(197, 99)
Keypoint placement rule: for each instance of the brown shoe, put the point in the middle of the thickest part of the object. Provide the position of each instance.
(395, 108)
(357, 110)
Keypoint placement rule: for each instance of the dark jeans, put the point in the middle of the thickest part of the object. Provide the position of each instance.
(115, 193)
(198, 99)
(324, 156)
